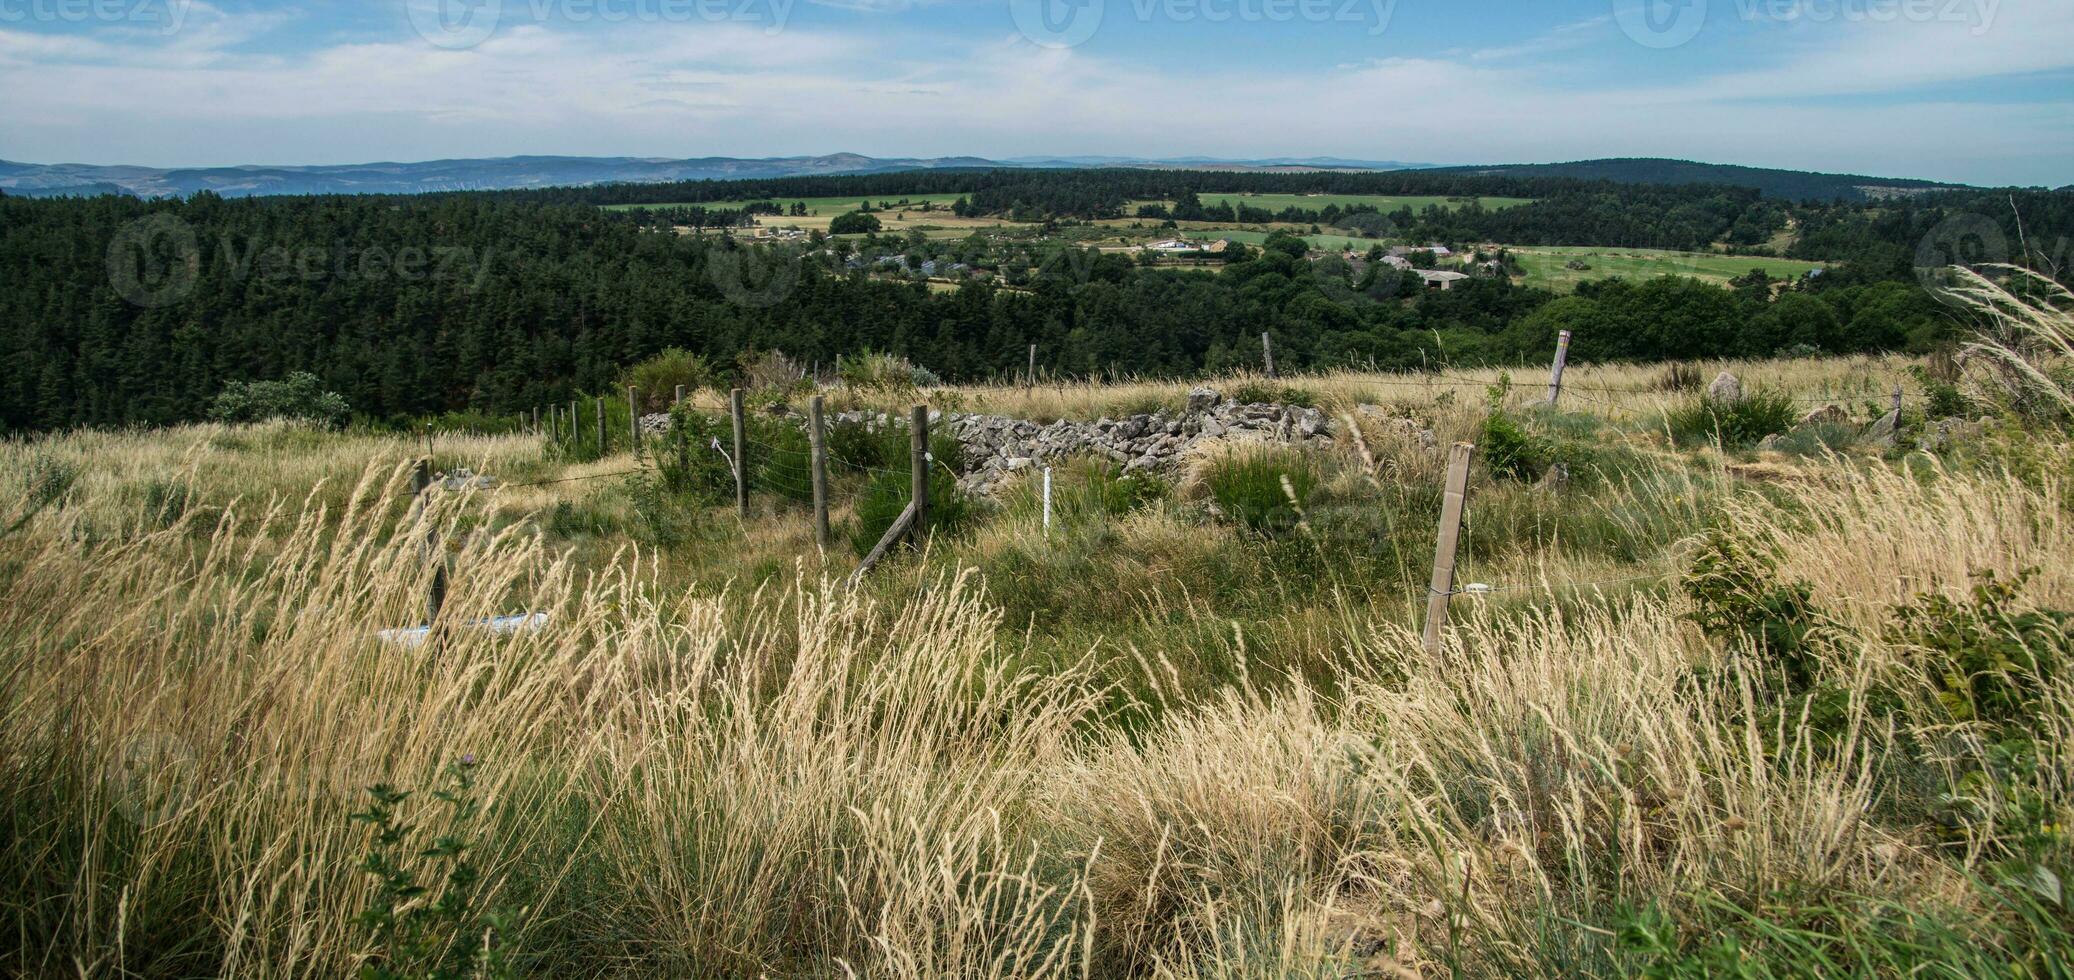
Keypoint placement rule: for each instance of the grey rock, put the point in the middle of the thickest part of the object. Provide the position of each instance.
(1203, 399)
(1826, 415)
(1725, 389)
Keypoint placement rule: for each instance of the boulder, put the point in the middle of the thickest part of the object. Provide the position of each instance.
(1826, 415)
(1725, 389)
(1203, 399)
(1882, 432)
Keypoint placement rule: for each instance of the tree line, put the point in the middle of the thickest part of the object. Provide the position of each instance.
(116, 311)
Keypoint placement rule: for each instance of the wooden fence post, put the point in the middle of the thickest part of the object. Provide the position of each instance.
(1443, 583)
(1267, 353)
(575, 435)
(1555, 375)
(918, 429)
(435, 594)
(1897, 404)
(634, 421)
(601, 428)
(536, 420)
(817, 439)
(741, 421)
(679, 399)
(1030, 376)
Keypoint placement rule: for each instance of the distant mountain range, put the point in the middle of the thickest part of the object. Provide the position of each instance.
(51, 180)
(1796, 185)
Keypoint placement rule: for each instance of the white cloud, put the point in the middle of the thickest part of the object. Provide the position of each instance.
(712, 89)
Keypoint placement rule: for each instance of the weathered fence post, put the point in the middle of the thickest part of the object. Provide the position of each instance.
(601, 427)
(575, 434)
(741, 421)
(634, 421)
(679, 399)
(1030, 376)
(1897, 404)
(1267, 353)
(429, 551)
(1555, 374)
(536, 420)
(1443, 584)
(817, 439)
(919, 431)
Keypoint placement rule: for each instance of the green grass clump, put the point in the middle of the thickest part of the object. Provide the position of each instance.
(1263, 488)
(888, 493)
(1735, 425)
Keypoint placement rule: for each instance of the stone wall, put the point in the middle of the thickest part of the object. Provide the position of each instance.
(997, 447)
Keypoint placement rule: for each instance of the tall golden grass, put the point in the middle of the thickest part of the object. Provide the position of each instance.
(802, 780)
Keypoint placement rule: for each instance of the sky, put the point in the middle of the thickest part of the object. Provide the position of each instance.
(1976, 91)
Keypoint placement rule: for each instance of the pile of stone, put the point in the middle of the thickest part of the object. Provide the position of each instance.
(997, 447)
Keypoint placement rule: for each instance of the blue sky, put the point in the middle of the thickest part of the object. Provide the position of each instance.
(1972, 90)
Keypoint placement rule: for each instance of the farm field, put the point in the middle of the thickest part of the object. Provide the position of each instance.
(1385, 202)
(1546, 265)
(824, 206)
(1185, 717)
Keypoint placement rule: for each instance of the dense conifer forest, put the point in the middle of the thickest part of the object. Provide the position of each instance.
(495, 302)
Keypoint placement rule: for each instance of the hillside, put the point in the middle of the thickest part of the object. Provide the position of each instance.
(1759, 681)
(1793, 185)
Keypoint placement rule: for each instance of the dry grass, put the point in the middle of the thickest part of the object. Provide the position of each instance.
(790, 779)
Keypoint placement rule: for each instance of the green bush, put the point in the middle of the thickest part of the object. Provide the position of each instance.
(1262, 488)
(656, 379)
(1736, 425)
(854, 447)
(853, 223)
(888, 493)
(687, 460)
(1511, 451)
(298, 396)
(1261, 393)
(1990, 661)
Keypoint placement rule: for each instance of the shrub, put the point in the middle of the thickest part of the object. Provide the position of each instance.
(1988, 661)
(1678, 377)
(1736, 597)
(888, 493)
(298, 396)
(1261, 393)
(886, 373)
(1511, 451)
(656, 379)
(855, 446)
(853, 223)
(687, 460)
(415, 934)
(1737, 424)
(1261, 487)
